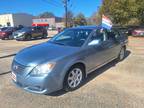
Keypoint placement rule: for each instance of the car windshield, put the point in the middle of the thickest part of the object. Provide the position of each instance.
(26, 29)
(71, 37)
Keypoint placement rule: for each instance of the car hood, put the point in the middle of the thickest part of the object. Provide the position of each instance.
(44, 52)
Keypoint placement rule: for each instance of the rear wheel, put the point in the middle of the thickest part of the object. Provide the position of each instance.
(74, 78)
(44, 35)
(3, 38)
(122, 54)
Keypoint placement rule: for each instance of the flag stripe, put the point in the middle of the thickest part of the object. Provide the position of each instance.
(106, 22)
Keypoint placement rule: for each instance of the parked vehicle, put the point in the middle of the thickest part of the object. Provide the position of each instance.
(138, 32)
(6, 32)
(27, 33)
(3, 28)
(59, 29)
(66, 59)
(123, 30)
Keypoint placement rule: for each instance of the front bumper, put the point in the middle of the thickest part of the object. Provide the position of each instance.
(39, 85)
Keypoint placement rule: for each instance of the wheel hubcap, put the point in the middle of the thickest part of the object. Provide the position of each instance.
(74, 77)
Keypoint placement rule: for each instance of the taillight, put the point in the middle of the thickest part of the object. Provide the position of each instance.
(3, 33)
(134, 32)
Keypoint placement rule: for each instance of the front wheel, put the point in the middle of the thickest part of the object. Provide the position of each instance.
(74, 78)
(122, 54)
(28, 37)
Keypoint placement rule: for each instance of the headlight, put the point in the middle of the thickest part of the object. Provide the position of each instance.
(43, 69)
(21, 33)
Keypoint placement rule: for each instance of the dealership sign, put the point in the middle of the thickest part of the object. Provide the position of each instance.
(40, 22)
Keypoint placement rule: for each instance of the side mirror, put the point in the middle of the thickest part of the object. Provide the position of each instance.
(94, 42)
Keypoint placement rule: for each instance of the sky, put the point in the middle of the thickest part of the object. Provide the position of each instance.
(35, 7)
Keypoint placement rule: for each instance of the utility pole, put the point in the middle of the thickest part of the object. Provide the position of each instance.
(66, 12)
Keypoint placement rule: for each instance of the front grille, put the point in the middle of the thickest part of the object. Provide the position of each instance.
(18, 68)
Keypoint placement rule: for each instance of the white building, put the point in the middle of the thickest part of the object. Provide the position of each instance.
(15, 19)
(51, 22)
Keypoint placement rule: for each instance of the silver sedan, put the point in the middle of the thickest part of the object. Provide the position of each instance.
(66, 59)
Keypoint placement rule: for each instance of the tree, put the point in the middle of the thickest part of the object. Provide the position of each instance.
(124, 12)
(70, 17)
(140, 10)
(95, 19)
(46, 15)
(80, 20)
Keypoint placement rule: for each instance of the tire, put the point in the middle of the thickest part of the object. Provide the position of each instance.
(44, 36)
(122, 54)
(74, 78)
(27, 37)
(3, 38)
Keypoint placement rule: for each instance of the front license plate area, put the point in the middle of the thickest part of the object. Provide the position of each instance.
(13, 76)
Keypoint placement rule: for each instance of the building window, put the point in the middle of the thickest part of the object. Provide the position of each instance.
(8, 24)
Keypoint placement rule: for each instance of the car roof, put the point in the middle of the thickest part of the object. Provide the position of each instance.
(85, 27)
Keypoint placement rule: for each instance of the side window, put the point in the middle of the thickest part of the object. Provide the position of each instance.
(113, 34)
(34, 28)
(100, 34)
(117, 34)
(39, 28)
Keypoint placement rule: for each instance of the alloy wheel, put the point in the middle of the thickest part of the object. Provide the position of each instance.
(75, 77)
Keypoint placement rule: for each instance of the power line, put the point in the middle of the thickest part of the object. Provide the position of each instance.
(73, 6)
(52, 4)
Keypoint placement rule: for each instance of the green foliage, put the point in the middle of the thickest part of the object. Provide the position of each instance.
(124, 12)
(46, 15)
(95, 19)
(80, 20)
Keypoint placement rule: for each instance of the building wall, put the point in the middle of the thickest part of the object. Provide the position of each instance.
(16, 19)
(60, 24)
(6, 18)
(50, 21)
(22, 19)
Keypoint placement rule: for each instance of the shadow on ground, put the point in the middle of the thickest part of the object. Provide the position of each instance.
(92, 75)
(7, 56)
(4, 73)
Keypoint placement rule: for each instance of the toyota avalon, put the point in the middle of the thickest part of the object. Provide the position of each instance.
(64, 61)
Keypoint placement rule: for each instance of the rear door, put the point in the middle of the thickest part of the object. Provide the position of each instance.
(34, 31)
(113, 43)
(39, 31)
(96, 55)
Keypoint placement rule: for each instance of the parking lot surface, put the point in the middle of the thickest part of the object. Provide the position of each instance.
(116, 85)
